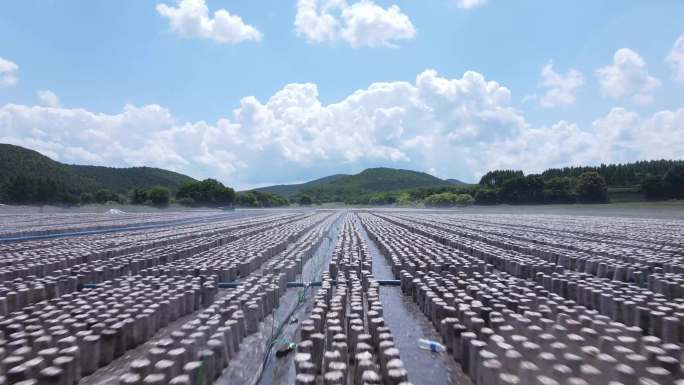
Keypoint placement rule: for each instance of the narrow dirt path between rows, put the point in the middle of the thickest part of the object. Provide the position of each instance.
(408, 324)
(244, 368)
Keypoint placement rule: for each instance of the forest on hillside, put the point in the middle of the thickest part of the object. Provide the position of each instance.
(27, 177)
(644, 180)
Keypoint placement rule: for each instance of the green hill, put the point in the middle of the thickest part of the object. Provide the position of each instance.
(373, 180)
(288, 190)
(16, 161)
(124, 179)
(457, 182)
(33, 168)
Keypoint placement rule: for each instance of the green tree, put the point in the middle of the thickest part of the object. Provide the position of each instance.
(383, 198)
(486, 196)
(87, 198)
(45, 191)
(159, 196)
(224, 195)
(559, 189)
(617, 175)
(514, 190)
(439, 200)
(404, 199)
(23, 189)
(304, 200)
(448, 199)
(186, 201)
(674, 178)
(19, 189)
(208, 192)
(138, 196)
(266, 199)
(104, 196)
(247, 199)
(464, 200)
(496, 178)
(654, 188)
(535, 188)
(591, 188)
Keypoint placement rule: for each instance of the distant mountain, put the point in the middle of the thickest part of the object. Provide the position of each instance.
(341, 187)
(288, 190)
(16, 161)
(455, 181)
(373, 180)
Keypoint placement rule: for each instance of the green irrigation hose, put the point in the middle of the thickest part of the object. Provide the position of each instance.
(274, 335)
(200, 377)
(273, 341)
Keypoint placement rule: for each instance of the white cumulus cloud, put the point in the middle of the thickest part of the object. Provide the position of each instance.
(560, 89)
(468, 4)
(361, 24)
(675, 58)
(147, 135)
(190, 18)
(8, 73)
(458, 127)
(628, 77)
(48, 98)
(619, 136)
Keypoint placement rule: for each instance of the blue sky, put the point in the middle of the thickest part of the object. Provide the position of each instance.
(282, 91)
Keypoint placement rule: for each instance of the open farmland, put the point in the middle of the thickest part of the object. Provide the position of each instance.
(340, 297)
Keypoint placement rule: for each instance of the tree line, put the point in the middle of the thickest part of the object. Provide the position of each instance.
(654, 180)
(513, 187)
(627, 174)
(205, 193)
(30, 190)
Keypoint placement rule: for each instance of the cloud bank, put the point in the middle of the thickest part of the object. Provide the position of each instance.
(460, 127)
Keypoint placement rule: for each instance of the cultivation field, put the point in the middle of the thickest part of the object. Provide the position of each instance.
(340, 297)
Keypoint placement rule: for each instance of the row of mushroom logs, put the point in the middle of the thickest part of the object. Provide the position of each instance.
(203, 347)
(345, 340)
(557, 328)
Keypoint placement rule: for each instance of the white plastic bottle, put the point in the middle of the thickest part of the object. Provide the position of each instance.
(432, 346)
